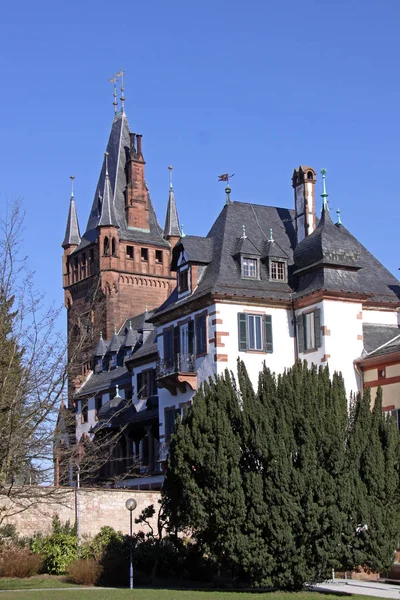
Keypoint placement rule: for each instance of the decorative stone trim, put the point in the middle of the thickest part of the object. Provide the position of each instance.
(325, 357)
(218, 338)
(360, 315)
(216, 322)
(325, 330)
(220, 358)
(360, 337)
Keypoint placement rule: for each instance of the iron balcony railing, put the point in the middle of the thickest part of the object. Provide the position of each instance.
(180, 363)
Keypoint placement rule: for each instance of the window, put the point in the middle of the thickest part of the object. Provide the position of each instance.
(309, 331)
(129, 252)
(144, 254)
(255, 332)
(201, 334)
(84, 411)
(128, 352)
(146, 383)
(113, 247)
(99, 364)
(113, 360)
(277, 270)
(396, 414)
(169, 344)
(170, 415)
(75, 269)
(97, 405)
(158, 256)
(106, 247)
(83, 265)
(183, 281)
(91, 261)
(249, 267)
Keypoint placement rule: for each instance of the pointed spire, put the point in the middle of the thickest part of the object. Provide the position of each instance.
(72, 233)
(324, 194)
(183, 234)
(107, 216)
(101, 347)
(115, 343)
(339, 220)
(171, 228)
(271, 237)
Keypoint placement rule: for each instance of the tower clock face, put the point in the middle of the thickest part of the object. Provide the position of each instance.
(300, 200)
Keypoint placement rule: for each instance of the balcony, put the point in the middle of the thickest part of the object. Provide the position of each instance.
(176, 373)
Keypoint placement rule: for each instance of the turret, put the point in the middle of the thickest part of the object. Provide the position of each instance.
(172, 231)
(108, 225)
(72, 237)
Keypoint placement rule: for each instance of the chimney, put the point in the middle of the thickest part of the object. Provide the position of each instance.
(303, 182)
(139, 144)
(132, 143)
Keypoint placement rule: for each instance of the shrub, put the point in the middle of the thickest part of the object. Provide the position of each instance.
(84, 572)
(19, 562)
(58, 551)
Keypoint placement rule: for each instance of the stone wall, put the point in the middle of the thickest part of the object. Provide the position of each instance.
(97, 507)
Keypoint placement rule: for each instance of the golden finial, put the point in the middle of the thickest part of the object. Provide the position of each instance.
(72, 177)
(170, 175)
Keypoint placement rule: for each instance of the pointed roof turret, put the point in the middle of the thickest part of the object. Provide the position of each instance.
(115, 343)
(328, 244)
(171, 228)
(273, 249)
(131, 337)
(72, 234)
(107, 217)
(101, 347)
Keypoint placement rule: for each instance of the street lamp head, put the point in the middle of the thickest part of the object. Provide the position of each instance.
(131, 504)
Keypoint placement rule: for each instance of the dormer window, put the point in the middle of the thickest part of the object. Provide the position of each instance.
(250, 267)
(277, 270)
(113, 361)
(183, 280)
(99, 364)
(128, 352)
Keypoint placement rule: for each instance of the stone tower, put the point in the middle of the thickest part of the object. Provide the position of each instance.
(121, 264)
(303, 182)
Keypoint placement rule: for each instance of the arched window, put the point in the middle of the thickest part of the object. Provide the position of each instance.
(106, 246)
(91, 260)
(113, 247)
(75, 275)
(310, 175)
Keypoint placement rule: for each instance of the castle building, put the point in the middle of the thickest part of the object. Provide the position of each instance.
(153, 313)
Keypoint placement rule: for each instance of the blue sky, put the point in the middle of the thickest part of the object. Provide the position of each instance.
(253, 88)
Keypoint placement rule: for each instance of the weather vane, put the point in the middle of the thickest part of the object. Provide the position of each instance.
(113, 80)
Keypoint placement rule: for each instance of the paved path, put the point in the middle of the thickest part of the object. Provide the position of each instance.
(352, 586)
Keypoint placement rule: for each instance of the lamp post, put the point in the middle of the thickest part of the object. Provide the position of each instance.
(130, 505)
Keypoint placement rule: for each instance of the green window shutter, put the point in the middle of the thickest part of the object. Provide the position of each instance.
(191, 336)
(242, 331)
(317, 327)
(268, 343)
(300, 332)
(139, 385)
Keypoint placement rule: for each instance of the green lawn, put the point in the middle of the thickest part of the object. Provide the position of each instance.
(75, 593)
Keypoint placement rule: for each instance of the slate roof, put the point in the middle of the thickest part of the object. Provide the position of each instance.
(131, 330)
(347, 267)
(72, 234)
(378, 337)
(171, 219)
(107, 216)
(118, 141)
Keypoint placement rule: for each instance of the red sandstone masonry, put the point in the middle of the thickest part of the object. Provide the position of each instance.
(325, 357)
(220, 358)
(325, 330)
(218, 338)
(360, 315)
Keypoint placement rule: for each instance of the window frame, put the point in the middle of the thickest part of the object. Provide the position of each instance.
(256, 262)
(267, 343)
(183, 276)
(301, 323)
(201, 341)
(277, 261)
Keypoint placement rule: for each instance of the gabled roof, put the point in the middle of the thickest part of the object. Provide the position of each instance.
(72, 234)
(119, 141)
(273, 250)
(245, 246)
(197, 249)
